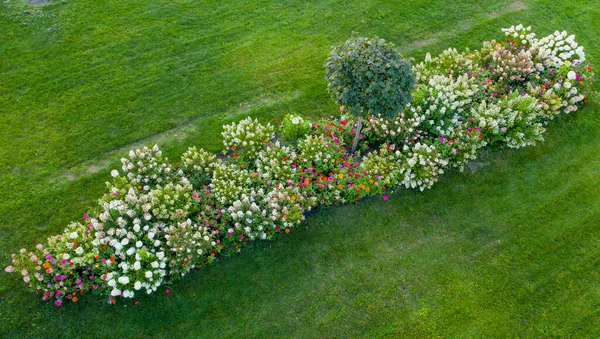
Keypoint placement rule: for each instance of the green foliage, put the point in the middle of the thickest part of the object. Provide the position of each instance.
(369, 76)
(293, 127)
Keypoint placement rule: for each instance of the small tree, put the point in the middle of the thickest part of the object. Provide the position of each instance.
(369, 76)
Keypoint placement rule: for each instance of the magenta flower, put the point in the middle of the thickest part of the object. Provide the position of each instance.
(58, 302)
(195, 195)
(85, 216)
(167, 291)
(442, 139)
(385, 197)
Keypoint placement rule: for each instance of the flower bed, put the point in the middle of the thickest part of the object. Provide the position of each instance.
(157, 221)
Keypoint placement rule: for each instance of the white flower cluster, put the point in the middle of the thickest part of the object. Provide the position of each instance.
(146, 168)
(555, 49)
(187, 245)
(512, 65)
(275, 163)
(449, 62)
(520, 33)
(249, 218)
(384, 163)
(422, 166)
(127, 227)
(197, 160)
(513, 120)
(229, 182)
(171, 201)
(397, 130)
(249, 135)
(257, 214)
(444, 103)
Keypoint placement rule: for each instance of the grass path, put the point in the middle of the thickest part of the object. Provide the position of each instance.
(509, 250)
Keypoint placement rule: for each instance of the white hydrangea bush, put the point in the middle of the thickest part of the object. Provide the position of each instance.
(146, 168)
(229, 182)
(423, 166)
(275, 164)
(247, 137)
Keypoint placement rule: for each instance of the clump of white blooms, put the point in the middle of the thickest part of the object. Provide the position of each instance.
(512, 121)
(449, 62)
(126, 225)
(397, 130)
(146, 167)
(444, 102)
(197, 166)
(197, 160)
(423, 166)
(275, 163)
(247, 137)
(172, 201)
(386, 163)
(186, 245)
(229, 182)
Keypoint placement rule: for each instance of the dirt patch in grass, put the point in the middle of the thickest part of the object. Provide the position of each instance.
(516, 6)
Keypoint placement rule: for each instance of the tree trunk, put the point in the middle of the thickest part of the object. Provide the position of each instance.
(358, 128)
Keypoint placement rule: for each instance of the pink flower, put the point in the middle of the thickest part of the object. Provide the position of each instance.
(58, 302)
(442, 139)
(195, 195)
(22, 251)
(385, 197)
(9, 269)
(26, 279)
(167, 291)
(40, 247)
(84, 216)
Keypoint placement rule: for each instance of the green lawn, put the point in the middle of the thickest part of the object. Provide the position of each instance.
(510, 250)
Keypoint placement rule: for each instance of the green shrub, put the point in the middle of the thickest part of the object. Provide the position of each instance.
(369, 76)
(293, 127)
